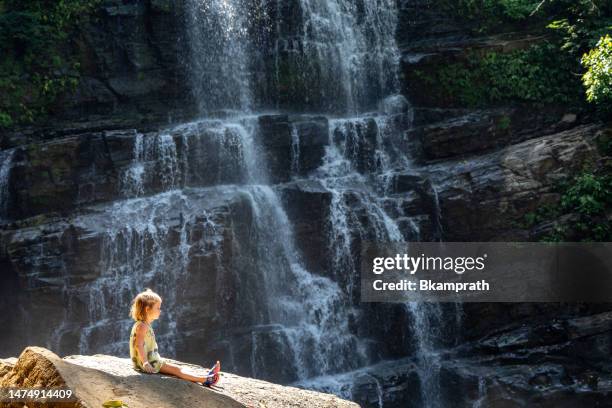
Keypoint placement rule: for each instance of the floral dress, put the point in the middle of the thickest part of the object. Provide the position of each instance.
(150, 348)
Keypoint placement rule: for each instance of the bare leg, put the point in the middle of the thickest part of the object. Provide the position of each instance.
(177, 371)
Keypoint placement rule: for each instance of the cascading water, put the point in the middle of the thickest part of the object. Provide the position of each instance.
(310, 311)
(154, 161)
(137, 251)
(295, 150)
(345, 59)
(168, 220)
(304, 315)
(350, 49)
(354, 145)
(218, 39)
(307, 313)
(425, 317)
(482, 393)
(6, 163)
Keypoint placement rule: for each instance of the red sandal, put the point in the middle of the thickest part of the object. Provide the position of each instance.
(213, 375)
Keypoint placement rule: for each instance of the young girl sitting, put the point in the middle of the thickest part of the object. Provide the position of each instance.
(146, 308)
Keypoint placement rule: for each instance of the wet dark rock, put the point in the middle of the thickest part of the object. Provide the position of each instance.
(422, 17)
(131, 49)
(474, 132)
(433, 48)
(502, 186)
(131, 74)
(446, 133)
(308, 203)
(62, 257)
(292, 145)
(66, 173)
(60, 175)
(360, 138)
(476, 381)
(417, 197)
(398, 387)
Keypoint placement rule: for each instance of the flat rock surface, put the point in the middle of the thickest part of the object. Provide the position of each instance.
(98, 378)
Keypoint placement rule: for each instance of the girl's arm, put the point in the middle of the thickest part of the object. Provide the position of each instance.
(141, 330)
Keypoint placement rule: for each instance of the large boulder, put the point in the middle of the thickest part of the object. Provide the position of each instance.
(96, 379)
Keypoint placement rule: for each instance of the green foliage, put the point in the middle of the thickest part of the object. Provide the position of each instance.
(489, 14)
(578, 37)
(5, 120)
(576, 9)
(536, 74)
(517, 9)
(590, 197)
(543, 213)
(598, 77)
(504, 123)
(604, 143)
(587, 197)
(547, 72)
(38, 64)
(495, 15)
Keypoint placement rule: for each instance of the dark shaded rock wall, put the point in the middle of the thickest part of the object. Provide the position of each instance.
(132, 73)
(492, 166)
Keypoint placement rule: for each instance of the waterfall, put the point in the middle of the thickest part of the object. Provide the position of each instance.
(154, 162)
(139, 249)
(482, 393)
(220, 152)
(308, 314)
(218, 39)
(364, 152)
(295, 150)
(438, 213)
(425, 318)
(6, 164)
(379, 392)
(188, 190)
(310, 310)
(132, 179)
(339, 237)
(350, 57)
(148, 238)
(338, 173)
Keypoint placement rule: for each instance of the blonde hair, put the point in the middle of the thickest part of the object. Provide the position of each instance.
(138, 311)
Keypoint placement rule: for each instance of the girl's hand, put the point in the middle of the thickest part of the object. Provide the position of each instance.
(148, 367)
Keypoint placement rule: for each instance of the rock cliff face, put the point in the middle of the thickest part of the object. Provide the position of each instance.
(116, 193)
(97, 379)
(132, 73)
